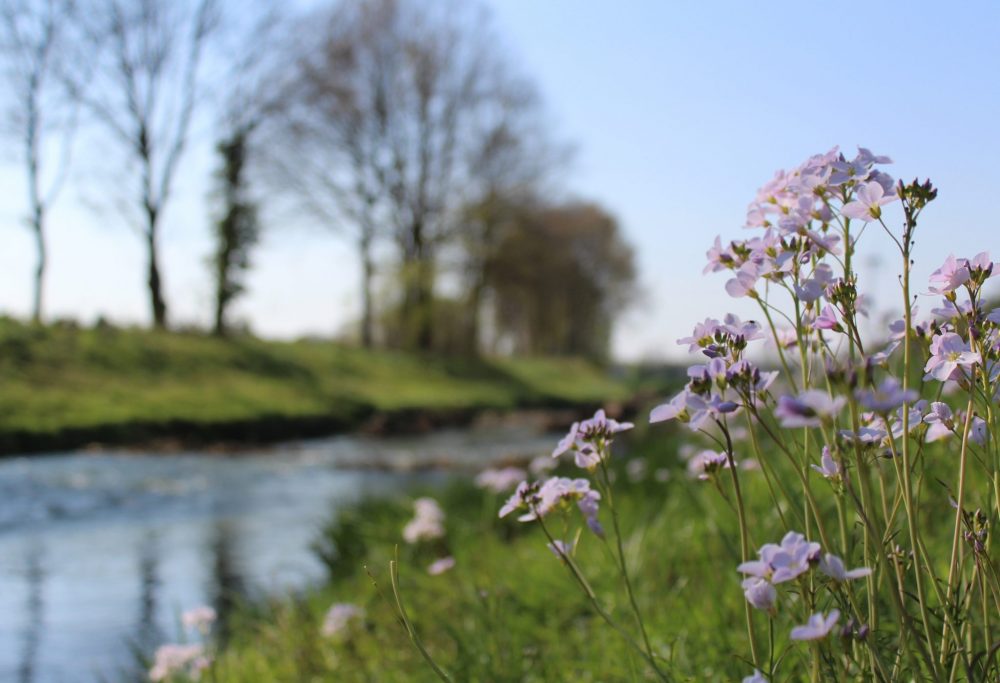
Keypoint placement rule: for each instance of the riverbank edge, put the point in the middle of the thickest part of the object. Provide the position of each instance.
(171, 435)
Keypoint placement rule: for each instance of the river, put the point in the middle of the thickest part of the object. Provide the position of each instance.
(100, 551)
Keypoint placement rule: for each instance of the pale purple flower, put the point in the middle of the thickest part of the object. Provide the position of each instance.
(787, 337)
(427, 523)
(863, 305)
(813, 288)
(888, 396)
(897, 328)
(560, 549)
(587, 457)
(844, 171)
(866, 157)
(866, 434)
(568, 441)
(719, 258)
(977, 431)
(173, 659)
(440, 566)
(500, 480)
(588, 505)
(949, 354)
(692, 409)
(601, 426)
(760, 593)
(554, 493)
(744, 280)
(940, 421)
(994, 316)
(747, 331)
(827, 320)
(339, 617)
(784, 562)
(199, 618)
(868, 202)
(702, 336)
(757, 677)
(881, 358)
(950, 276)
(706, 463)
(817, 628)
(589, 439)
(952, 310)
(669, 411)
(828, 467)
(979, 265)
(520, 499)
(833, 566)
(808, 409)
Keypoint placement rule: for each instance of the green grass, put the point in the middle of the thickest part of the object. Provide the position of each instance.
(509, 611)
(57, 378)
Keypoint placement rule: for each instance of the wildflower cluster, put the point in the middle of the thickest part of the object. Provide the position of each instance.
(428, 525)
(879, 454)
(860, 417)
(848, 411)
(427, 522)
(188, 660)
(539, 499)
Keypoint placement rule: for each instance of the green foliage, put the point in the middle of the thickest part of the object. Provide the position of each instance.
(62, 378)
(509, 611)
(237, 230)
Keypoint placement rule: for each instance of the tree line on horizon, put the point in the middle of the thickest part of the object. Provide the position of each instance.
(401, 126)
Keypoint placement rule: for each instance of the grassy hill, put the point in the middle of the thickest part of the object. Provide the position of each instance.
(64, 386)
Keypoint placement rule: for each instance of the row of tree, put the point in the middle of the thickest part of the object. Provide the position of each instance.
(400, 125)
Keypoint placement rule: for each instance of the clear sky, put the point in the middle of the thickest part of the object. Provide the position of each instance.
(679, 110)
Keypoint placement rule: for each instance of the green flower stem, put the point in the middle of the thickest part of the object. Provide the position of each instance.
(589, 592)
(744, 537)
(956, 537)
(777, 344)
(765, 466)
(622, 564)
(410, 631)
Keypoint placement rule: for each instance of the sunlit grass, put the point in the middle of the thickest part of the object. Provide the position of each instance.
(509, 611)
(56, 378)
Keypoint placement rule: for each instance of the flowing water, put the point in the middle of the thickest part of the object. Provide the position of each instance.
(101, 551)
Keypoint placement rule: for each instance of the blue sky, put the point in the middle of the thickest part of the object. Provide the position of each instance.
(679, 112)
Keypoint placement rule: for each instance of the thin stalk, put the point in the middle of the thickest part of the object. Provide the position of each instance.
(955, 541)
(623, 566)
(744, 537)
(410, 631)
(589, 592)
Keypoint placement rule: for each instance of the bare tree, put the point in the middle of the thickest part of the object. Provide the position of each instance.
(383, 129)
(144, 92)
(323, 148)
(35, 38)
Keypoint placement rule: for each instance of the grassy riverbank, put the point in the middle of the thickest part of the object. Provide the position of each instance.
(63, 386)
(509, 611)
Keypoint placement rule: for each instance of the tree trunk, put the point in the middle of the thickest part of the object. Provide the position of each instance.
(157, 303)
(367, 275)
(37, 224)
(473, 310)
(424, 295)
(219, 326)
(418, 297)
